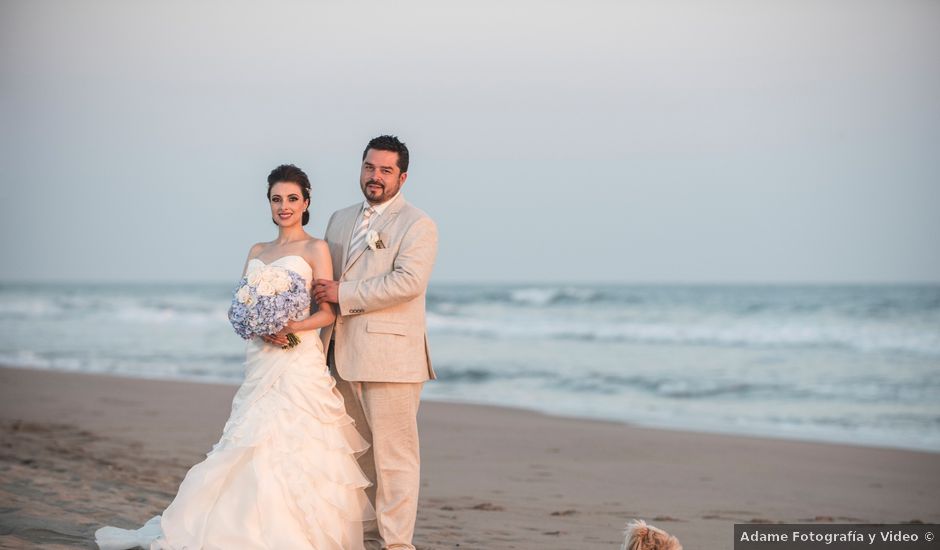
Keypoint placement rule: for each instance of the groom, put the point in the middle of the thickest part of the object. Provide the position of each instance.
(383, 250)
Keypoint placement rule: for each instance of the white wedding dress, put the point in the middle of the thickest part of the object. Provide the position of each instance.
(284, 473)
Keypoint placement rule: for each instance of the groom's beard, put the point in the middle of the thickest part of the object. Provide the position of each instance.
(375, 195)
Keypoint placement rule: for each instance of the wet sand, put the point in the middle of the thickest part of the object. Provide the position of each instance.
(79, 451)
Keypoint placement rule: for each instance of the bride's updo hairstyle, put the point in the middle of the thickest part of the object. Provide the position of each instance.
(291, 174)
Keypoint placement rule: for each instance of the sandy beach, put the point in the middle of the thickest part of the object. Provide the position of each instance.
(80, 451)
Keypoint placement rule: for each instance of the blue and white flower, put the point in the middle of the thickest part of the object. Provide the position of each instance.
(266, 299)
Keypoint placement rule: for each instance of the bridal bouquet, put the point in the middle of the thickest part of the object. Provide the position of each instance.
(266, 299)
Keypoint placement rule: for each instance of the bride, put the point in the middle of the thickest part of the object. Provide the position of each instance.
(284, 473)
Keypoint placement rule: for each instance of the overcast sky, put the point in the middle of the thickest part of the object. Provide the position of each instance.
(660, 141)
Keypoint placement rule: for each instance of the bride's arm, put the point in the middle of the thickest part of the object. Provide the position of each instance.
(319, 258)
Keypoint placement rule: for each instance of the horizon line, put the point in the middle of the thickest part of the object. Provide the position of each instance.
(488, 282)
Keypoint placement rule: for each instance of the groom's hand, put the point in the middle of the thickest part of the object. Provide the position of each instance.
(326, 291)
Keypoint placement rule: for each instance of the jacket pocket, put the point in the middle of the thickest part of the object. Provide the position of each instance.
(387, 327)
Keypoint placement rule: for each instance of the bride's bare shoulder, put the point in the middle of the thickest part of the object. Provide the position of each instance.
(315, 248)
(316, 251)
(314, 244)
(256, 249)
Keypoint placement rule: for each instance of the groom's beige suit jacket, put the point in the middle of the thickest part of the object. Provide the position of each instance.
(380, 331)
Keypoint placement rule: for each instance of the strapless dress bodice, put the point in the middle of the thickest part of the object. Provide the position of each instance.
(292, 262)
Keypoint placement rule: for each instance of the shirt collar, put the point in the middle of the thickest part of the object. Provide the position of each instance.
(380, 208)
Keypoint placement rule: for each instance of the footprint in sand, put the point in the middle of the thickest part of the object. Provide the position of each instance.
(488, 507)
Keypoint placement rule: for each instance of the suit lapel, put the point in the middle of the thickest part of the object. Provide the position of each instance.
(386, 218)
(345, 234)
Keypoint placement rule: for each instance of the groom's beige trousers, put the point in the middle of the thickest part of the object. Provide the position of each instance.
(386, 415)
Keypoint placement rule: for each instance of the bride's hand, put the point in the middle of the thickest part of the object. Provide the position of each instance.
(280, 338)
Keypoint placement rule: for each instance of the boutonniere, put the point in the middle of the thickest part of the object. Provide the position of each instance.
(374, 240)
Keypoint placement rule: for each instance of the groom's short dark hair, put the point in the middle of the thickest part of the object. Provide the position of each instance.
(393, 144)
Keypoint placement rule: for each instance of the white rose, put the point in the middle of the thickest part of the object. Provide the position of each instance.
(265, 289)
(282, 284)
(372, 237)
(251, 301)
(243, 294)
(267, 274)
(254, 277)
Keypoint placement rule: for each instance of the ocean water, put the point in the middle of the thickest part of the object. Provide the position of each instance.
(857, 364)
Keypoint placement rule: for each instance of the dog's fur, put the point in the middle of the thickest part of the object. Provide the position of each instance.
(640, 536)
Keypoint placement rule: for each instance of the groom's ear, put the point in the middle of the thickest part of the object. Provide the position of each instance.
(404, 176)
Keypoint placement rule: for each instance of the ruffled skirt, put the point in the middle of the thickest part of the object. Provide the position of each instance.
(282, 476)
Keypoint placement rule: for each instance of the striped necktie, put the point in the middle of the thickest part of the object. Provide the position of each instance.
(358, 241)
